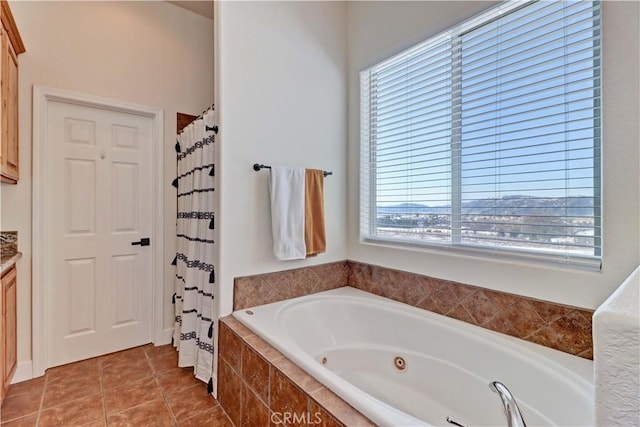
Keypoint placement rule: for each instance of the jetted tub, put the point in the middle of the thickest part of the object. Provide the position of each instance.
(402, 366)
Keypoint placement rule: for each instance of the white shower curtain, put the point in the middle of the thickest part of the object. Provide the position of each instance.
(195, 328)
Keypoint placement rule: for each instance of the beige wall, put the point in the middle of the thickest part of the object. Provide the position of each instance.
(379, 29)
(151, 53)
(288, 92)
(282, 91)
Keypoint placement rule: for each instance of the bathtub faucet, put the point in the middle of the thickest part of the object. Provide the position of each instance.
(511, 410)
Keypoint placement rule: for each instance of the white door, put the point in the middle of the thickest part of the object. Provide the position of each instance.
(99, 201)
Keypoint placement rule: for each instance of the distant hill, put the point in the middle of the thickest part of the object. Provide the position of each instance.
(412, 208)
(507, 205)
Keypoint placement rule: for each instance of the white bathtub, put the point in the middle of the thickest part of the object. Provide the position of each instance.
(449, 363)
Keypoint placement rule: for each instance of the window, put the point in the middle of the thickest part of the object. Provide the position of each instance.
(487, 137)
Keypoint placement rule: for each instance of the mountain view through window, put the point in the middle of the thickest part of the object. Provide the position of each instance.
(489, 135)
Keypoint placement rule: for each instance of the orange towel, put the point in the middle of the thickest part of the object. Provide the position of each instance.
(314, 234)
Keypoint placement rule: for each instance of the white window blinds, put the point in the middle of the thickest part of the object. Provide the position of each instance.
(488, 136)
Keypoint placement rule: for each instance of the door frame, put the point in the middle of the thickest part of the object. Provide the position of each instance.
(40, 258)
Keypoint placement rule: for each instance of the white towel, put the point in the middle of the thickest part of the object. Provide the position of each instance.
(286, 188)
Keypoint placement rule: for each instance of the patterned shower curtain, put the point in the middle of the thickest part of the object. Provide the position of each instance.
(195, 328)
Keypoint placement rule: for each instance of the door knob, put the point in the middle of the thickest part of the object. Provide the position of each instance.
(143, 242)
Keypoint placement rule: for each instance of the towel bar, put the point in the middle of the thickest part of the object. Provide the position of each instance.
(258, 166)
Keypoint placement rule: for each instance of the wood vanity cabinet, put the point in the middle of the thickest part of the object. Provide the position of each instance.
(10, 46)
(8, 329)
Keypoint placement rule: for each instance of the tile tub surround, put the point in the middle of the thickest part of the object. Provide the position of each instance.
(561, 327)
(257, 385)
(250, 291)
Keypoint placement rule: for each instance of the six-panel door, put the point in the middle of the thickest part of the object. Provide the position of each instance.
(99, 202)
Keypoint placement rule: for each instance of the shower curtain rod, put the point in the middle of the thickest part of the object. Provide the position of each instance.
(258, 166)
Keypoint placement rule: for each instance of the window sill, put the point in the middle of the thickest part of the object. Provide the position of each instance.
(527, 258)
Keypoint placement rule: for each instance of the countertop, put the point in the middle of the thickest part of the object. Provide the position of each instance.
(6, 262)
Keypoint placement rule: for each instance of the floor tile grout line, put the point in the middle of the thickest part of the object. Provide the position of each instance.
(23, 415)
(166, 396)
(153, 376)
(44, 389)
(166, 402)
(104, 401)
(143, 403)
(133, 407)
(12, 394)
(64, 402)
(49, 380)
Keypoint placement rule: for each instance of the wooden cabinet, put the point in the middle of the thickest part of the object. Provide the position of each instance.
(3, 390)
(8, 329)
(10, 47)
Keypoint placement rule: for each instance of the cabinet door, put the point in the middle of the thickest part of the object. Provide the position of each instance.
(4, 146)
(10, 168)
(9, 285)
(2, 351)
(12, 100)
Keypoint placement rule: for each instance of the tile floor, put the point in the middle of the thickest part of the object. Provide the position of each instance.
(141, 386)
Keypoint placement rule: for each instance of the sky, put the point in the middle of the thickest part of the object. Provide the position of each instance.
(516, 101)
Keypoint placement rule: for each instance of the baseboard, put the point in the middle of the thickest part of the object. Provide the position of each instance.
(24, 372)
(165, 337)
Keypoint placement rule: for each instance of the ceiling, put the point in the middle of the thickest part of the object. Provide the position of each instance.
(201, 7)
